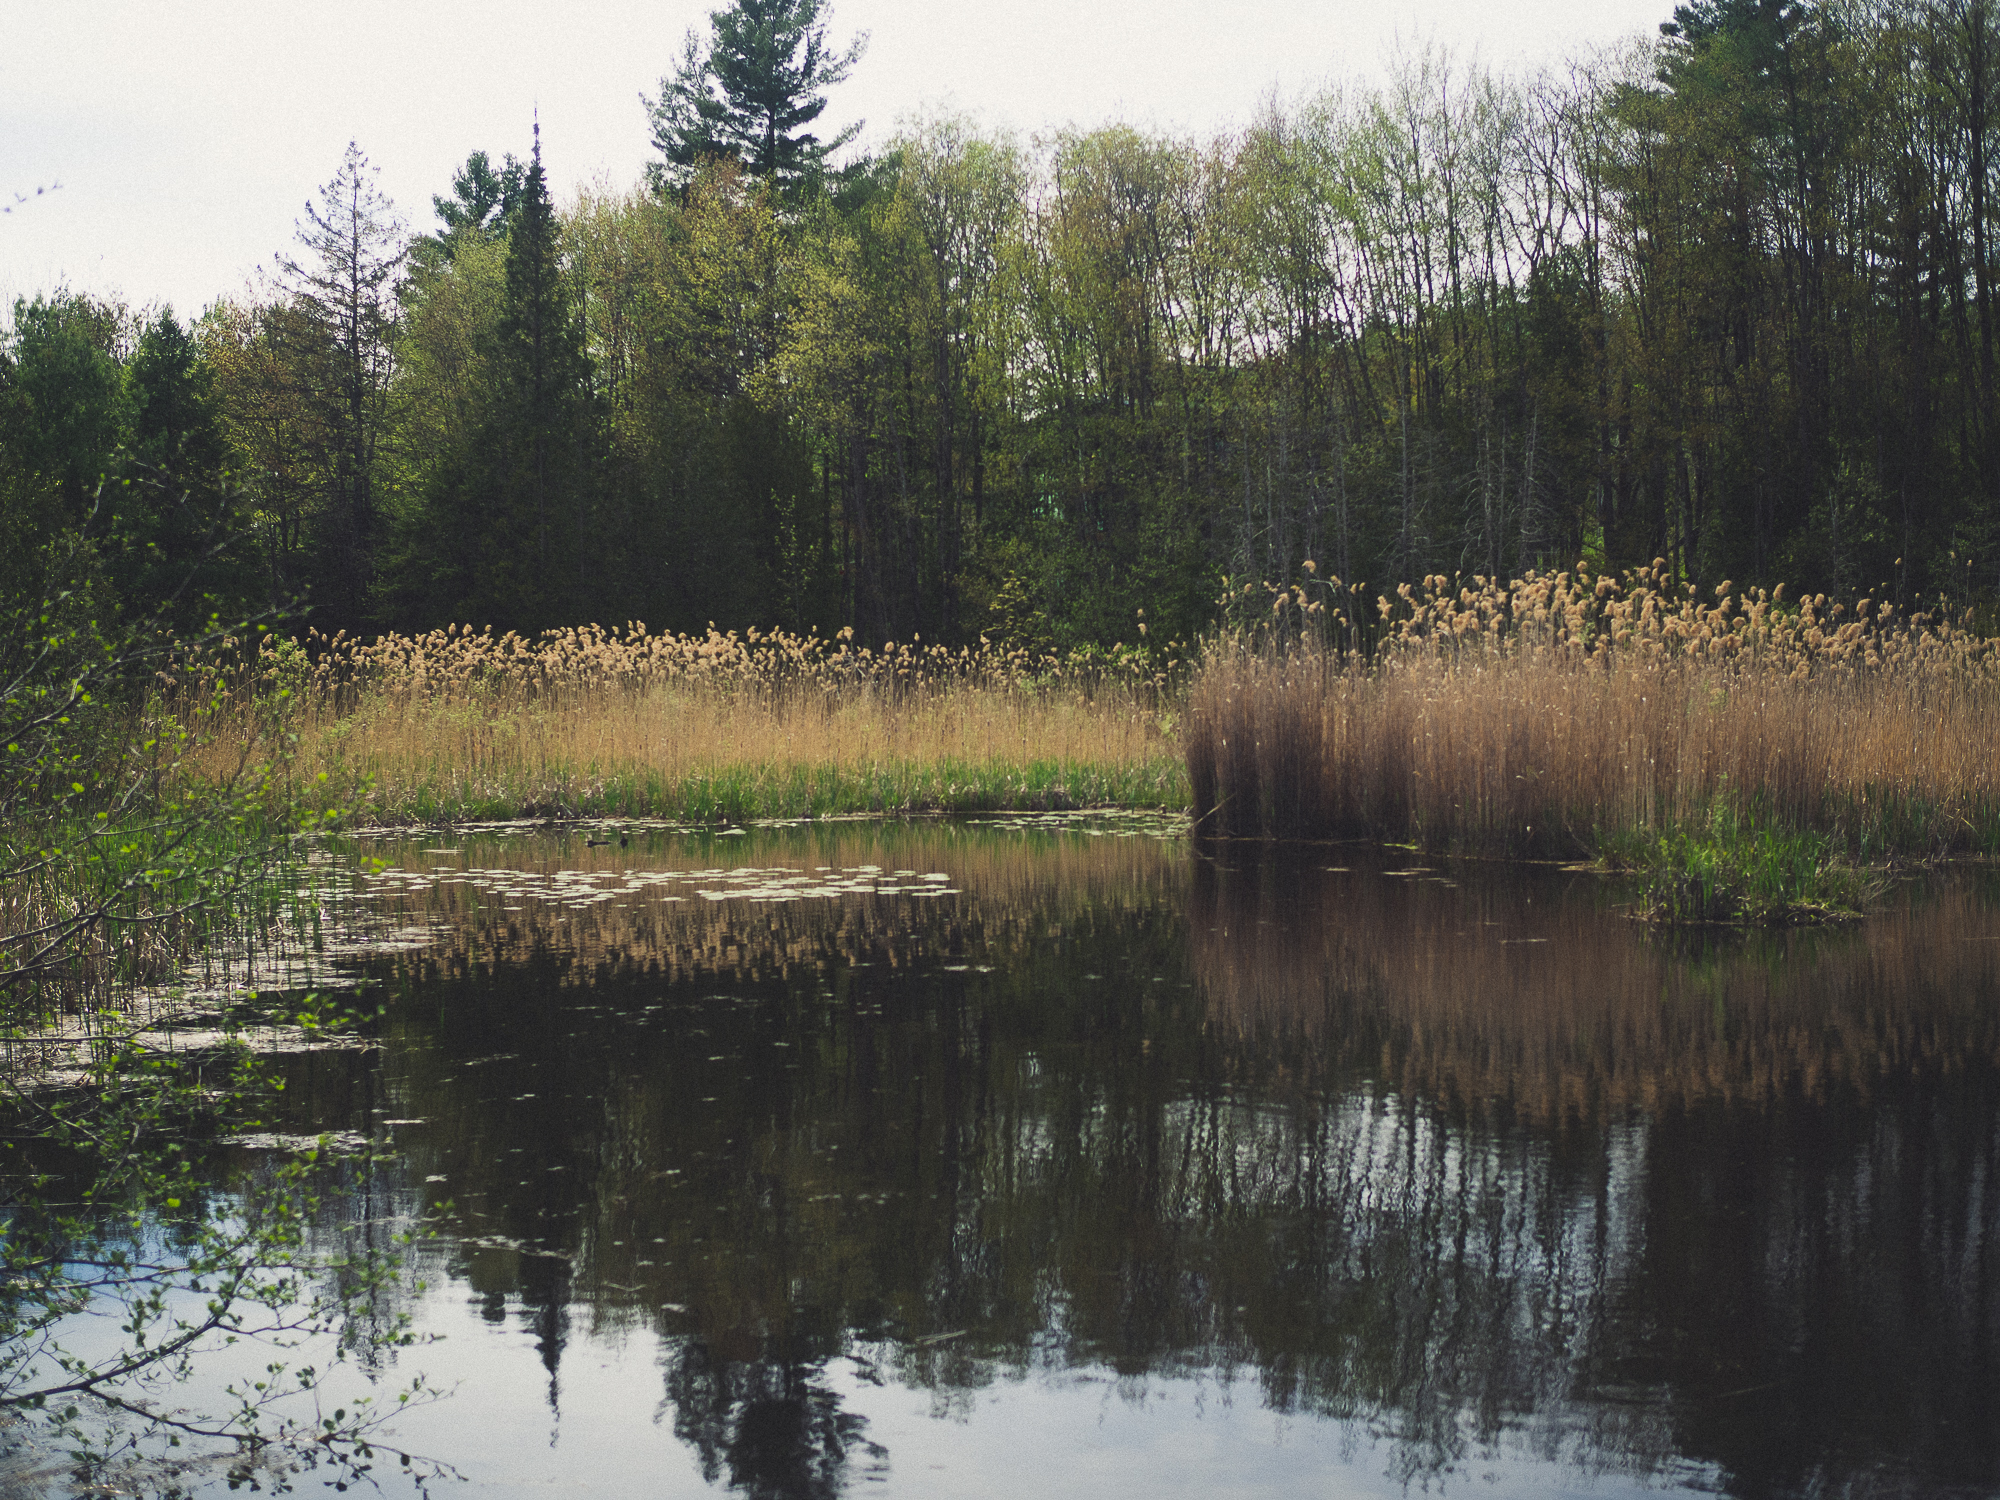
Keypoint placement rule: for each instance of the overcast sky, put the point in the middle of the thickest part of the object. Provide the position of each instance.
(185, 137)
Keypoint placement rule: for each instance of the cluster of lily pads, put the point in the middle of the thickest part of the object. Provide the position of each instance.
(585, 888)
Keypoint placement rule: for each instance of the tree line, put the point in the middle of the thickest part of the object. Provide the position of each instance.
(1722, 297)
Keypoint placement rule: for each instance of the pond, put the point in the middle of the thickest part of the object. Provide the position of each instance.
(1061, 1156)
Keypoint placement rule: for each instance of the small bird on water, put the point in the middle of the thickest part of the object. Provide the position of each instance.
(623, 841)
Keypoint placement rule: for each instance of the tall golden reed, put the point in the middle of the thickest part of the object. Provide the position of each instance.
(463, 722)
(1544, 714)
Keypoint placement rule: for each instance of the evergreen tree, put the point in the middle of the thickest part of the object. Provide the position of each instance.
(171, 392)
(182, 546)
(61, 413)
(541, 361)
(64, 407)
(483, 199)
(480, 209)
(503, 533)
(761, 81)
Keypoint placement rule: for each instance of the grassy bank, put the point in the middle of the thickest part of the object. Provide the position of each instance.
(1728, 872)
(1747, 754)
(461, 724)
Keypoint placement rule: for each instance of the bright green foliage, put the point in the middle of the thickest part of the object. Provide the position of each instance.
(109, 835)
(117, 851)
(1725, 301)
(1740, 870)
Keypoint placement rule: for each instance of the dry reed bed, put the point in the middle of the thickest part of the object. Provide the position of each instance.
(467, 723)
(1551, 713)
(98, 963)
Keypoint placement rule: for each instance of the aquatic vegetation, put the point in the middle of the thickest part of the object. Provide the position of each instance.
(675, 895)
(725, 726)
(1568, 715)
(1728, 870)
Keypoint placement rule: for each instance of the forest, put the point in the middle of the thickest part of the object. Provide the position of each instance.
(1723, 298)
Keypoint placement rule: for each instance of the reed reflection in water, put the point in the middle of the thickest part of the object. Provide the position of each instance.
(1458, 1167)
(1799, 1130)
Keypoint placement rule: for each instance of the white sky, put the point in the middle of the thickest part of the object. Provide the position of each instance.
(186, 135)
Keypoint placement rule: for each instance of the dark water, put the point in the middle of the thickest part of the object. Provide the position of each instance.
(1110, 1166)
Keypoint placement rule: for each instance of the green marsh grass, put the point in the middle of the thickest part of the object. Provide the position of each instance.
(1730, 870)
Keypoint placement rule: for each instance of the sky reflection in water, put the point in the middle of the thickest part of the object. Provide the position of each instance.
(949, 1159)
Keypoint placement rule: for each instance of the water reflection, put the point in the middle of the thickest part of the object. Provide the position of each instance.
(1776, 1150)
(1500, 989)
(1457, 1161)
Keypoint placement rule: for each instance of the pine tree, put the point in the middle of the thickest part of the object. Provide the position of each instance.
(483, 198)
(503, 534)
(61, 401)
(540, 356)
(761, 81)
(182, 542)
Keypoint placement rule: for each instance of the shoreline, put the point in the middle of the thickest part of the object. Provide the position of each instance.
(746, 791)
(1724, 894)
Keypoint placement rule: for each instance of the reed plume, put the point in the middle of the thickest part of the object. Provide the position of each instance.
(462, 722)
(1549, 714)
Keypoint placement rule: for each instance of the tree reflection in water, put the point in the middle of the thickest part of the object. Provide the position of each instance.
(770, 1423)
(1478, 1165)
